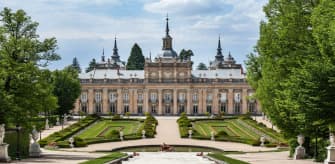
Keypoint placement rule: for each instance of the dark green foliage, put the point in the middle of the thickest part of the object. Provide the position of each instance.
(67, 89)
(184, 125)
(202, 66)
(136, 58)
(63, 144)
(68, 132)
(75, 65)
(79, 142)
(294, 69)
(91, 65)
(185, 54)
(24, 85)
(105, 159)
(116, 117)
(11, 139)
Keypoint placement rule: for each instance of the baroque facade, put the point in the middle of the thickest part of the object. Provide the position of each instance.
(166, 86)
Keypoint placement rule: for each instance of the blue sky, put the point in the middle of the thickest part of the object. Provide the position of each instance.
(84, 27)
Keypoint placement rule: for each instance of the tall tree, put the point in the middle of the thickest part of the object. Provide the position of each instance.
(185, 54)
(22, 55)
(136, 59)
(293, 72)
(202, 66)
(75, 65)
(66, 88)
(91, 65)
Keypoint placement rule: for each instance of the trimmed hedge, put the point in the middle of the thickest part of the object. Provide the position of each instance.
(184, 124)
(11, 139)
(68, 132)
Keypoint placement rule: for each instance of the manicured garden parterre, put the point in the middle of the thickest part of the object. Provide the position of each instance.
(235, 129)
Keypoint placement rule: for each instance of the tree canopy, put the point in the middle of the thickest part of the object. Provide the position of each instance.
(186, 54)
(202, 66)
(22, 56)
(293, 66)
(75, 65)
(91, 65)
(136, 59)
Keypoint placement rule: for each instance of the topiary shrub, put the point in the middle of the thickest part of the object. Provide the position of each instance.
(113, 134)
(221, 133)
(63, 144)
(79, 142)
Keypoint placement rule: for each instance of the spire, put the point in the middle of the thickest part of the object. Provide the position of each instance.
(103, 55)
(115, 50)
(150, 56)
(219, 56)
(167, 25)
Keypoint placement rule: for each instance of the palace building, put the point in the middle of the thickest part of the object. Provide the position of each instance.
(166, 86)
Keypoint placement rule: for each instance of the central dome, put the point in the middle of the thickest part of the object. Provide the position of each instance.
(168, 54)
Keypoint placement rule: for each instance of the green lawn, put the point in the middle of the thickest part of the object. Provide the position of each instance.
(104, 127)
(234, 129)
(107, 158)
(224, 158)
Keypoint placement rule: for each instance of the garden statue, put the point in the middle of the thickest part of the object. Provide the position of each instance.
(300, 150)
(2, 133)
(57, 121)
(65, 120)
(34, 148)
(262, 139)
(143, 133)
(212, 135)
(47, 124)
(331, 148)
(121, 135)
(3, 146)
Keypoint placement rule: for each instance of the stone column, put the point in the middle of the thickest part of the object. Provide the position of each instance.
(204, 101)
(145, 100)
(134, 104)
(119, 101)
(244, 101)
(230, 101)
(105, 101)
(189, 101)
(90, 101)
(160, 102)
(200, 110)
(175, 102)
(77, 106)
(215, 101)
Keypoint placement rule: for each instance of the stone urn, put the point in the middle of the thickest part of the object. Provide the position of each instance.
(3, 146)
(34, 148)
(71, 140)
(190, 131)
(65, 120)
(262, 140)
(57, 121)
(143, 133)
(300, 150)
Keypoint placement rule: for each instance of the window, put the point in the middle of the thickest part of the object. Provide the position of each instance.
(223, 107)
(167, 109)
(140, 97)
(125, 108)
(223, 97)
(153, 97)
(181, 97)
(237, 97)
(209, 97)
(83, 97)
(113, 108)
(153, 109)
(125, 96)
(195, 109)
(251, 107)
(97, 96)
(209, 109)
(112, 97)
(237, 108)
(84, 107)
(139, 109)
(98, 108)
(195, 97)
(181, 108)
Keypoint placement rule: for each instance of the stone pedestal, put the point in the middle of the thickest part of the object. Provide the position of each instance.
(4, 153)
(299, 153)
(330, 155)
(34, 150)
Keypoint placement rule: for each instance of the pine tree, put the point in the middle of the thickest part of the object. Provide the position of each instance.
(75, 65)
(136, 59)
(202, 66)
(185, 54)
(91, 66)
